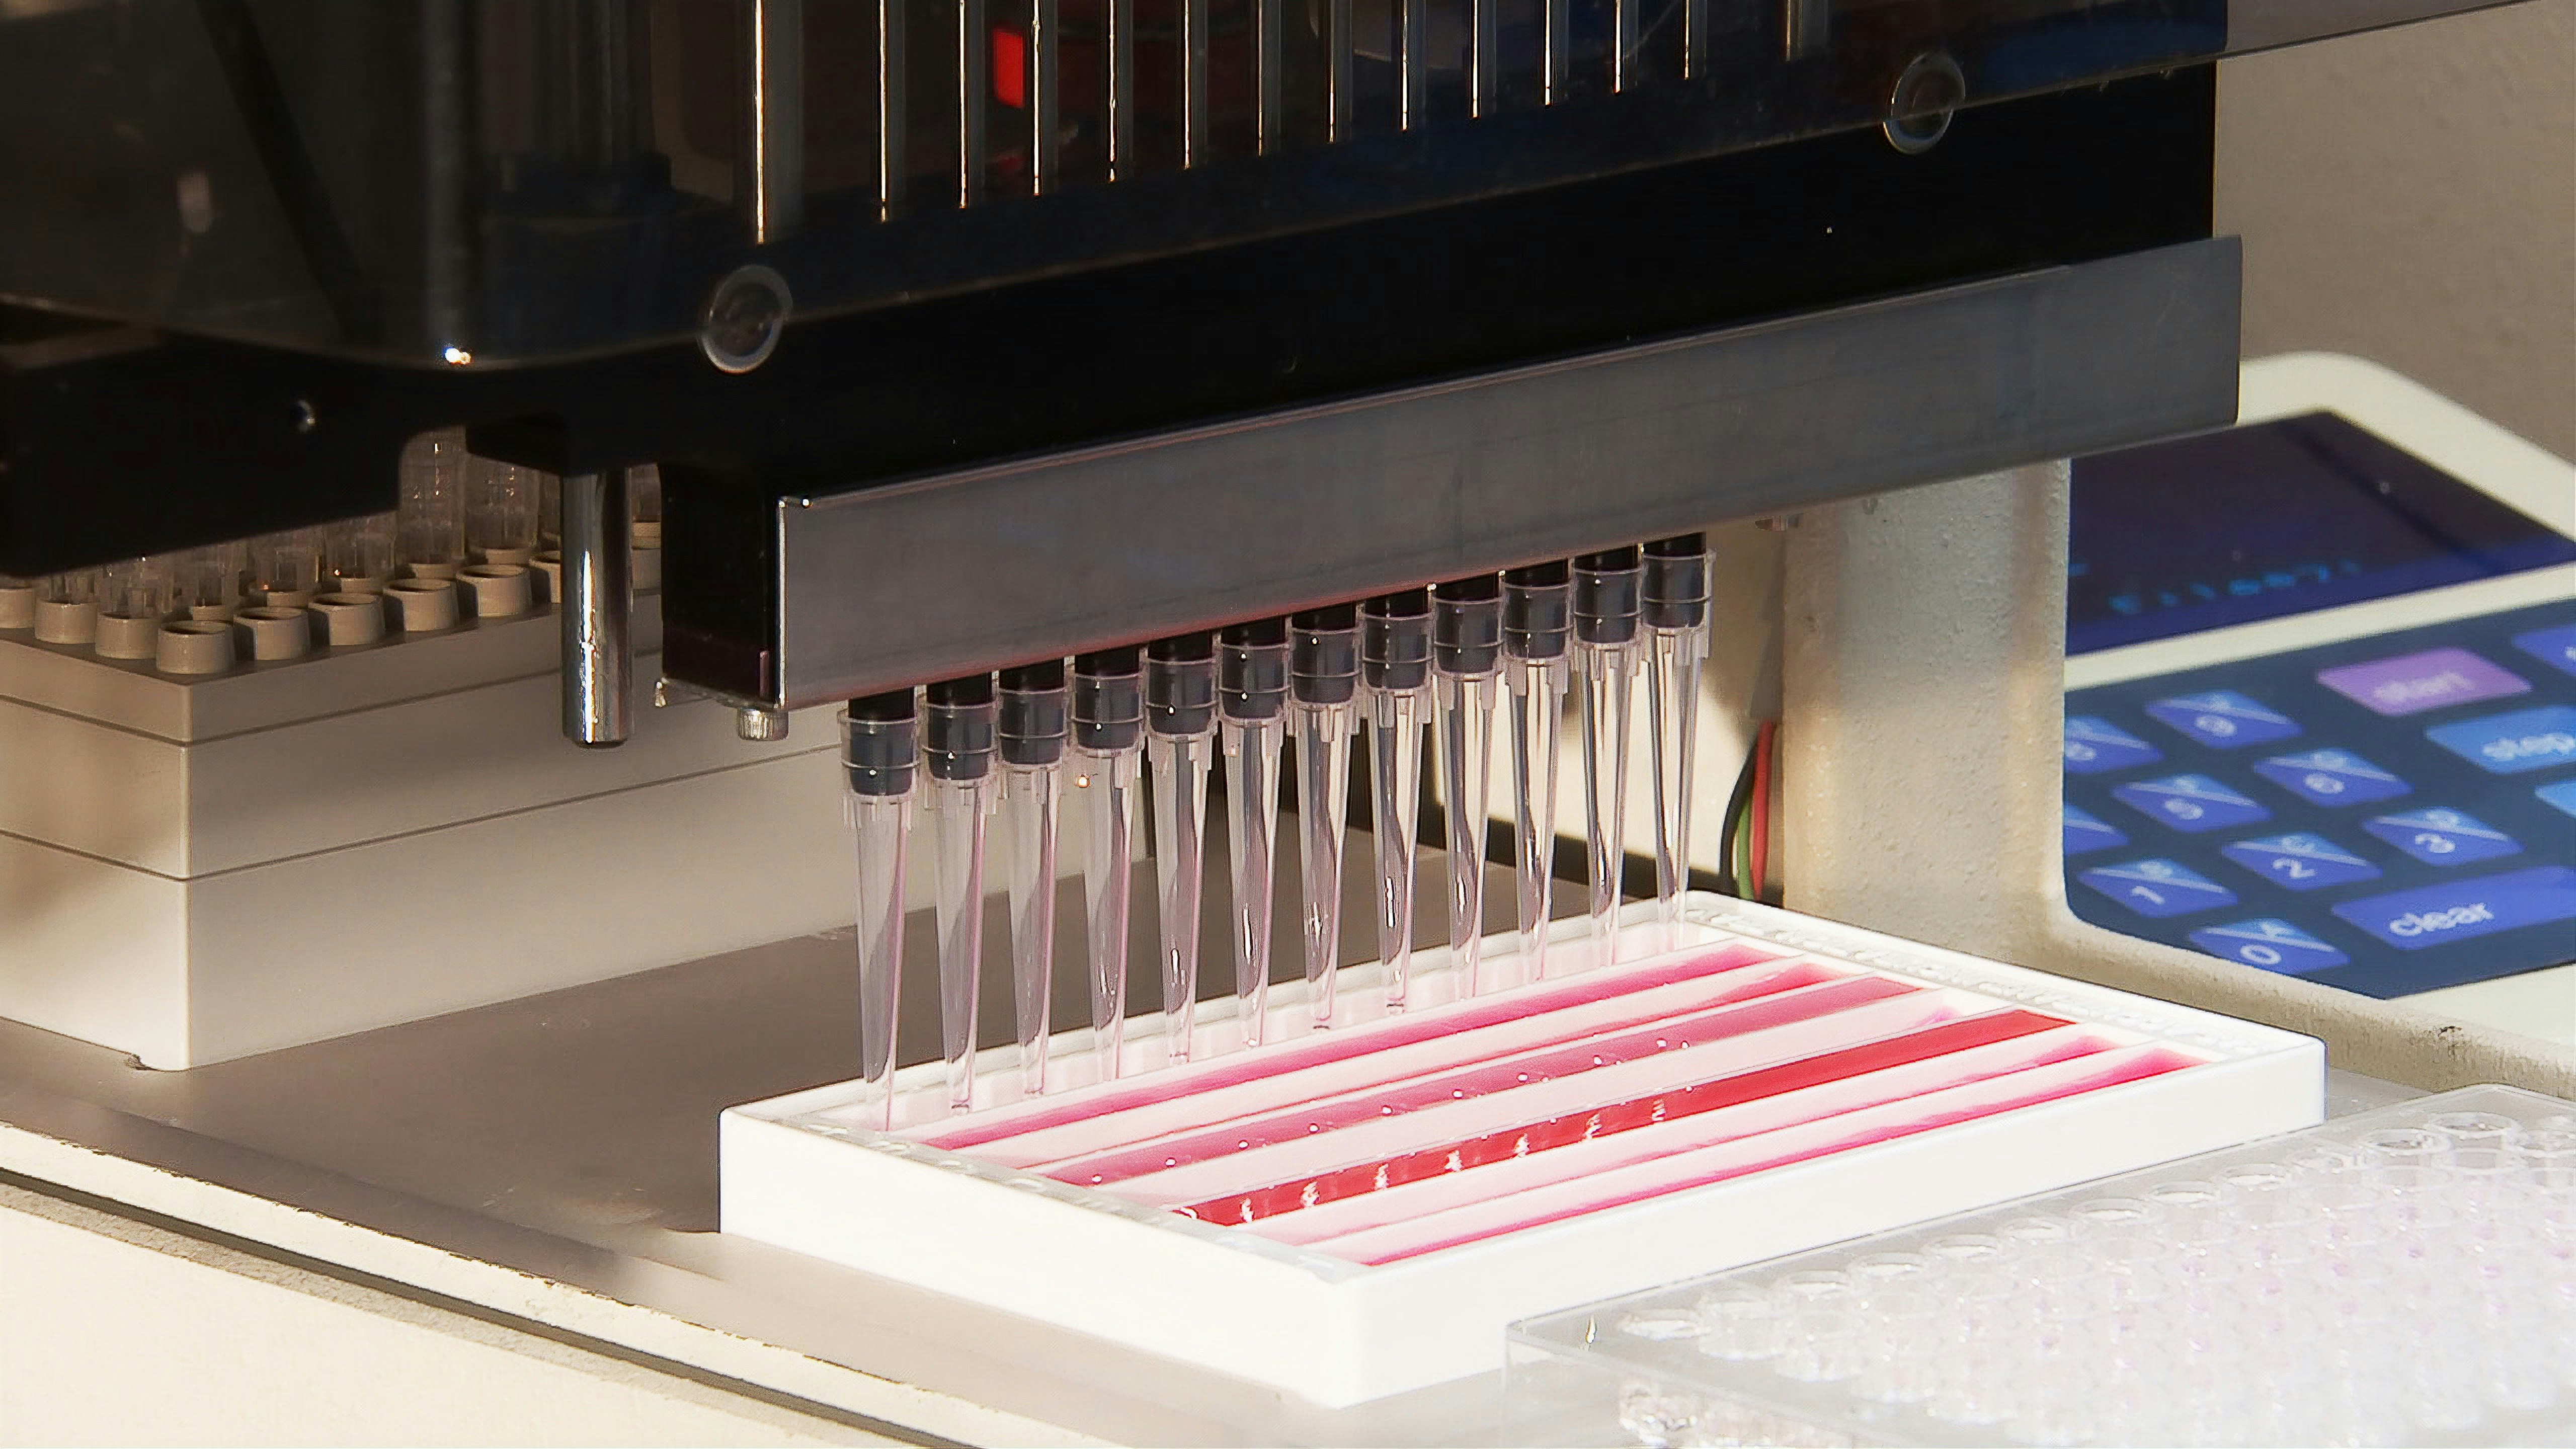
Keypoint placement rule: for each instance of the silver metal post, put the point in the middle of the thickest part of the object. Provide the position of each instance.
(891, 141)
(1694, 39)
(1623, 43)
(598, 598)
(1413, 61)
(1338, 47)
(1122, 88)
(774, 59)
(1044, 99)
(1556, 41)
(974, 84)
(1269, 104)
(1194, 82)
(1484, 60)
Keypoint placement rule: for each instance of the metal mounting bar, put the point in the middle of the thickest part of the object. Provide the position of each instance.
(888, 586)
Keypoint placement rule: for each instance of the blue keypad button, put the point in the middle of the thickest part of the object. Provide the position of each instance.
(2191, 803)
(2300, 861)
(2086, 832)
(2331, 777)
(2561, 795)
(2508, 744)
(2271, 944)
(2463, 910)
(2158, 887)
(2553, 647)
(2441, 836)
(2095, 746)
(2224, 719)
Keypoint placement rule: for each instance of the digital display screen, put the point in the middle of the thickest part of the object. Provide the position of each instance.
(2273, 519)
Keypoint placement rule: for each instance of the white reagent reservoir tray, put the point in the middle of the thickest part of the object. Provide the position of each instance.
(1352, 1213)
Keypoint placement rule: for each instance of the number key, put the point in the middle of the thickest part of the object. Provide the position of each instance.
(2331, 777)
(2224, 719)
(2443, 836)
(2300, 861)
(2158, 887)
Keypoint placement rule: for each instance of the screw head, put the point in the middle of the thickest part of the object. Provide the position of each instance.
(740, 327)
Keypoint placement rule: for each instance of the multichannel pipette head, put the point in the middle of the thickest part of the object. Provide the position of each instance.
(1108, 711)
(1030, 727)
(1252, 704)
(1673, 596)
(957, 729)
(1180, 722)
(1323, 680)
(880, 756)
(1466, 655)
(1607, 620)
(1537, 604)
(1395, 668)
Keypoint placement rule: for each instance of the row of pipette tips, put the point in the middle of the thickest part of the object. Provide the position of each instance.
(969, 748)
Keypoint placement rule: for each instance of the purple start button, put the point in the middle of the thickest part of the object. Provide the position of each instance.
(2413, 683)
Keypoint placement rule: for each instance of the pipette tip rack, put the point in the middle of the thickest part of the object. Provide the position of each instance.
(1351, 1213)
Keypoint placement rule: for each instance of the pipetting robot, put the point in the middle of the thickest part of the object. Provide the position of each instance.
(952, 469)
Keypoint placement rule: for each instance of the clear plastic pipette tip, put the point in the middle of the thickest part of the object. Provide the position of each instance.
(1180, 726)
(1466, 655)
(1674, 596)
(957, 748)
(1606, 627)
(1030, 733)
(1323, 682)
(880, 755)
(1252, 701)
(1108, 715)
(1535, 627)
(1395, 672)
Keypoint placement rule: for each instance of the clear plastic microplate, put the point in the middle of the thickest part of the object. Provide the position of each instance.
(2404, 1276)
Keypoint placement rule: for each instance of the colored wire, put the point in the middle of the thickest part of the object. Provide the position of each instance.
(1759, 831)
(1729, 847)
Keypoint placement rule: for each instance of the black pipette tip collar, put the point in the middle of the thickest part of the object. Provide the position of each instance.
(1180, 685)
(1535, 608)
(1467, 625)
(880, 744)
(1605, 596)
(1395, 640)
(957, 727)
(1252, 669)
(1674, 587)
(1109, 699)
(1324, 655)
(1030, 727)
